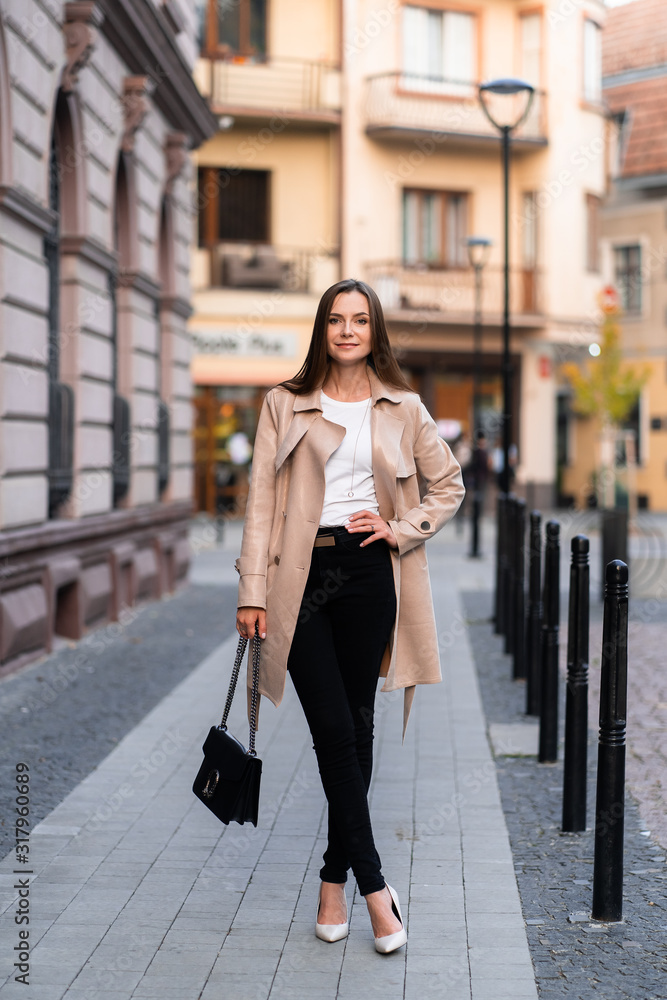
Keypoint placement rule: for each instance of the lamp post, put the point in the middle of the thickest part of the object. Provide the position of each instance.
(479, 248)
(506, 104)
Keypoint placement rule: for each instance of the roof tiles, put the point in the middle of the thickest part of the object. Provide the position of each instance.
(635, 38)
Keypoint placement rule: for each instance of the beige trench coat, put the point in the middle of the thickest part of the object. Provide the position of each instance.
(292, 445)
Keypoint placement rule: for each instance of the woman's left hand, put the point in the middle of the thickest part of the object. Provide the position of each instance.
(363, 520)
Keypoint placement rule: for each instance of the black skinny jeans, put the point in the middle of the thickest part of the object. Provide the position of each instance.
(346, 616)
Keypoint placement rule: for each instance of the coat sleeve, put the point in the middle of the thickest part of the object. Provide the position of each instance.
(444, 487)
(252, 562)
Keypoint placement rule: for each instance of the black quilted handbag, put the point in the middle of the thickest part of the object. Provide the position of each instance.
(228, 780)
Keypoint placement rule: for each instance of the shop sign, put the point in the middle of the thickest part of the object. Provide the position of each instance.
(231, 344)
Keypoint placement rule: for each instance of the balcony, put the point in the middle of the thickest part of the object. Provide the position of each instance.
(404, 106)
(448, 295)
(293, 88)
(253, 266)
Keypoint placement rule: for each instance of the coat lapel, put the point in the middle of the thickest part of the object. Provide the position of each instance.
(305, 410)
(298, 426)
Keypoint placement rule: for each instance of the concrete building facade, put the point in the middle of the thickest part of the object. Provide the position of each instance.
(98, 113)
(371, 157)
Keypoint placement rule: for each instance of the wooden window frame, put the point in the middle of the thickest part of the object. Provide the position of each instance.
(214, 50)
(210, 208)
(638, 312)
(443, 6)
(442, 264)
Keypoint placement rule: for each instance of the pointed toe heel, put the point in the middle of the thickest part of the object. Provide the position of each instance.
(330, 932)
(392, 942)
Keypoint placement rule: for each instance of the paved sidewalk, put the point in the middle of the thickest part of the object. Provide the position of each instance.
(135, 891)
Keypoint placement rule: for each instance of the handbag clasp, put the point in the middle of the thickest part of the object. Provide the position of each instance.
(211, 784)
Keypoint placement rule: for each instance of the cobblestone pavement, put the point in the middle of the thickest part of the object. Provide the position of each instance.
(572, 956)
(67, 712)
(646, 755)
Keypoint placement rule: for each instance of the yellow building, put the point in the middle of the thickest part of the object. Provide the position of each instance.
(371, 157)
(632, 246)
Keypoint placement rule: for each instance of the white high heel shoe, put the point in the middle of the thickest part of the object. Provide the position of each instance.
(390, 942)
(330, 932)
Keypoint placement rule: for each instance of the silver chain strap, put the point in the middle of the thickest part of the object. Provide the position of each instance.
(240, 650)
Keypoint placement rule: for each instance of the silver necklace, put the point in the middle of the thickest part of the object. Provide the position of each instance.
(350, 492)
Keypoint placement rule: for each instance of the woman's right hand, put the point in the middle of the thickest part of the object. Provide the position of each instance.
(245, 622)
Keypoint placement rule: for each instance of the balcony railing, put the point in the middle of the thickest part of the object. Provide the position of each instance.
(400, 102)
(278, 85)
(451, 292)
(259, 266)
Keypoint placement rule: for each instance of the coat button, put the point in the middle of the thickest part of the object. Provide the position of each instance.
(276, 560)
(424, 525)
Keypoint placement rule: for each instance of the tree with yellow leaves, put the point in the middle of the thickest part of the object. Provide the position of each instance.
(606, 389)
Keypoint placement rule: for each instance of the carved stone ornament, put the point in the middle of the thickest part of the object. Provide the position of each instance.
(80, 20)
(135, 107)
(176, 154)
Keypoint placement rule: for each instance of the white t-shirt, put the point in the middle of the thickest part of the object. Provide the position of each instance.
(345, 471)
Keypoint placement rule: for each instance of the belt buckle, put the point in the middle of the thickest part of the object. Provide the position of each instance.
(324, 540)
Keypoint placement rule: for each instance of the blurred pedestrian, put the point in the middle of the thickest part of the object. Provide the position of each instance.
(463, 454)
(498, 464)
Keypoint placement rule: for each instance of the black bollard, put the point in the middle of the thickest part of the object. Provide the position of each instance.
(548, 746)
(534, 617)
(610, 796)
(505, 567)
(576, 697)
(519, 667)
(499, 625)
(508, 580)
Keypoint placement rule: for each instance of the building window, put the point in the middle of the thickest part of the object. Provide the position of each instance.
(439, 51)
(618, 141)
(434, 228)
(628, 280)
(529, 230)
(233, 206)
(592, 62)
(592, 233)
(529, 252)
(237, 28)
(531, 48)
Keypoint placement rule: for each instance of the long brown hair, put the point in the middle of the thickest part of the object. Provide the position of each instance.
(382, 360)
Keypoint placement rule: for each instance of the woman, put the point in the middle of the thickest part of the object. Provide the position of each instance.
(333, 569)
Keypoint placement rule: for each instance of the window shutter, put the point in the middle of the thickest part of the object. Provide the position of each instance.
(459, 47)
(531, 47)
(592, 62)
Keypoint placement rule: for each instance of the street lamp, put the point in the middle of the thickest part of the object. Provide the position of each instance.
(506, 104)
(479, 248)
